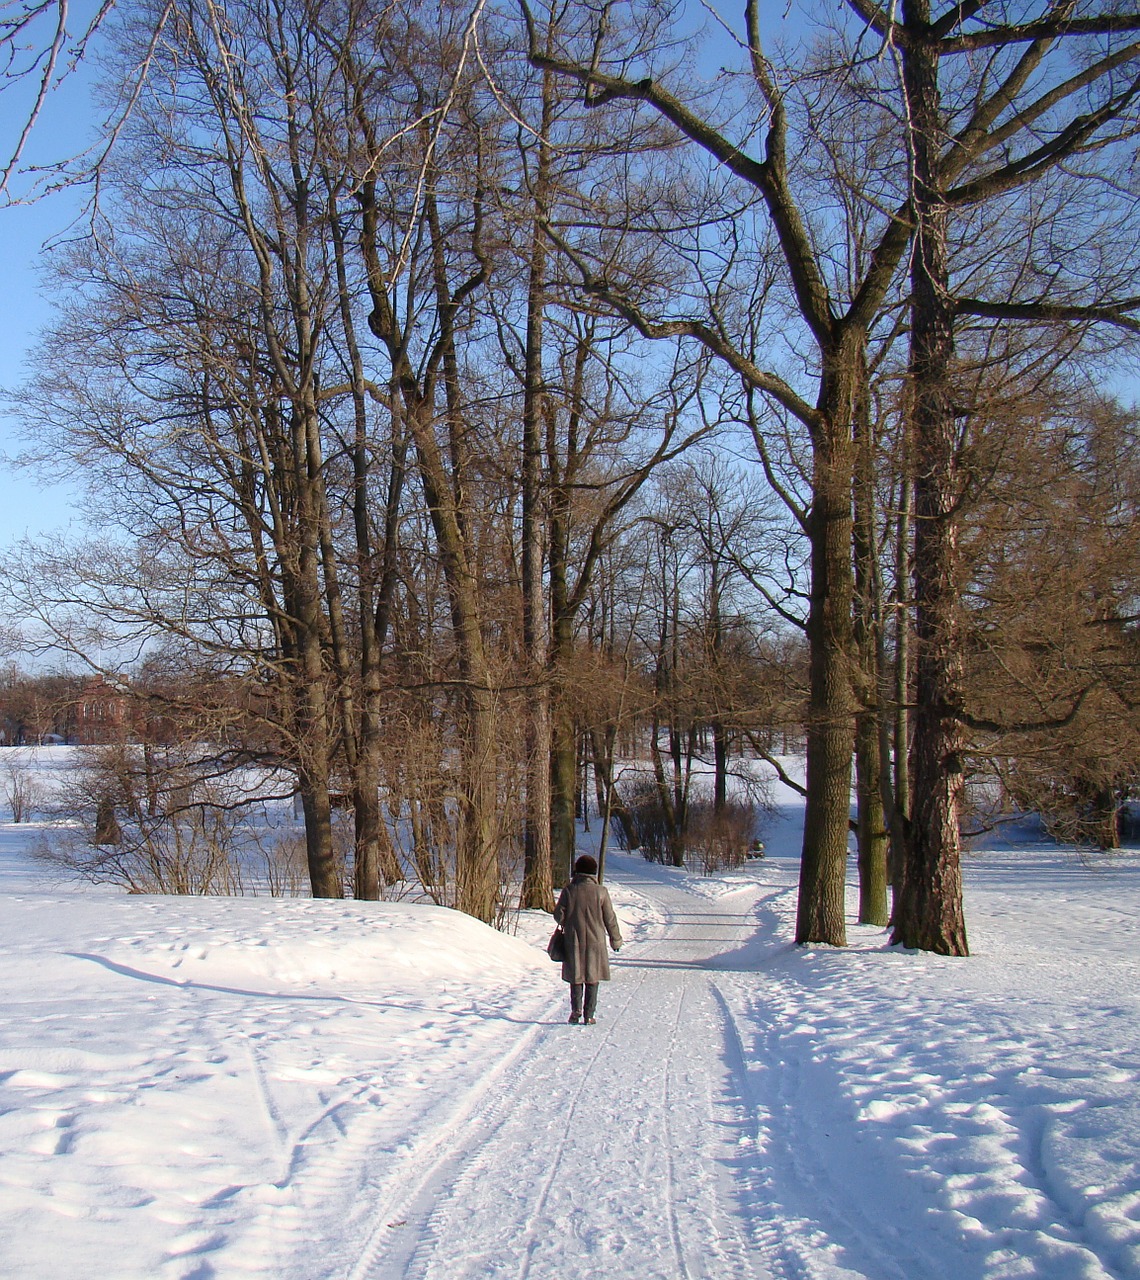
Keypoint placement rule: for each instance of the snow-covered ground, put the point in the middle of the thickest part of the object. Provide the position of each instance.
(290, 1089)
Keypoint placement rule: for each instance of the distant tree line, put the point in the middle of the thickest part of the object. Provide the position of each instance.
(471, 383)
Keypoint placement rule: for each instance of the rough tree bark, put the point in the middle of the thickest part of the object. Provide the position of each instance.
(929, 913)
(871, 821)
(537, 887)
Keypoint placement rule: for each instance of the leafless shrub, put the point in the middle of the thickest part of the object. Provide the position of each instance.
(643, 802)
(713, 840)
(195, 850)
(283, 867)
(160, 823)
(23, 789)
(720, 841)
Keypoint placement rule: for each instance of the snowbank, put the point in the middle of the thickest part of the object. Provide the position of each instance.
(168, 1065)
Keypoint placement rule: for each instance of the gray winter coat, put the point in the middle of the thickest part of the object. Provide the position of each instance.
(586, 915)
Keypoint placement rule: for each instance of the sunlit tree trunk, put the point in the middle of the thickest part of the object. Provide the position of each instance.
(929, 913)
(537, 890)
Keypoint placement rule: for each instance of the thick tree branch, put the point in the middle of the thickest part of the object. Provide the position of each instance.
(768, 758)
(767, 176)
(982, 725)
(974, 142)
(875, 18)
(956, 17)
(1047, 28)
(972, 139)
(1048, 312)
(1076, 134)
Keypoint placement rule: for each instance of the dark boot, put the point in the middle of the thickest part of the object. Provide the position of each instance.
(575, 1002)
(591, 1004)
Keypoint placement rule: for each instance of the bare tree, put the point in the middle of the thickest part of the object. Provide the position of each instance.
(1050, 550)
(1032, 110)
(837, 328)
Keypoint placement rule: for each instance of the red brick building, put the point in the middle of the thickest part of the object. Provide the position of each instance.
(101, 712)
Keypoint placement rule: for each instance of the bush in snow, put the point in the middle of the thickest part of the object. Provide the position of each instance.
(155, 821)
(21, 786)
(720, 840)
(708, 839)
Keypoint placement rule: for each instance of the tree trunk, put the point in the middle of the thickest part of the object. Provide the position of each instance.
(301, 569)
(563, 744)
(609, 801)
(538, 880)
(313, 738)
(1106, 818)
(324, 874)
(442, 477)
(371, 837)
(563, 785)
(537, 888)
(311, 725)
(871, 825)
(719, 731)
(929, 913)
(830, 725)
(477, 861)
(900, 730)
(375, 861)
(720, 767)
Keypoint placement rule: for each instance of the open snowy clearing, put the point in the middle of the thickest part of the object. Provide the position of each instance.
(195, 1088)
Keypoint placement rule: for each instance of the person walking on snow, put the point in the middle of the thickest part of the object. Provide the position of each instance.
(586, 915)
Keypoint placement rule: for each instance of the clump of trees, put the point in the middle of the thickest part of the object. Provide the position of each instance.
(154, 820)
(409, 347)
(1053, 555)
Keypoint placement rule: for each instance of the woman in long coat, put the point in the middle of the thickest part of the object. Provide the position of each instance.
(586, 915)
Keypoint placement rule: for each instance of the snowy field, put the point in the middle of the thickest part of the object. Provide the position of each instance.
(289, 1089)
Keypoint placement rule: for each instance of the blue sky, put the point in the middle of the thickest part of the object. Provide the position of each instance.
(26, 507)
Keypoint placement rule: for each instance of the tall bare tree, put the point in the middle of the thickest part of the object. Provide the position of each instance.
(837, 326)
(1053, 85)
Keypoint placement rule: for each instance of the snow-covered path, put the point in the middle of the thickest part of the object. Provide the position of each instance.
(745, 1108)
(598, 1150)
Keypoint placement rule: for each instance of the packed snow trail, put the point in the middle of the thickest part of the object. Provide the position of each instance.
(596, 1150)
(743, 1110)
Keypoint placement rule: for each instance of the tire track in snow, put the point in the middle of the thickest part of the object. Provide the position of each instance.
(326, 1168)
(294, 1147)
(531, 1232)
(315, 1173)
(1031, 1128)
(431, 1155)
(666, 1109)
(697, 987)
(465, 1163)
(683, 1269)
(275, 1124)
